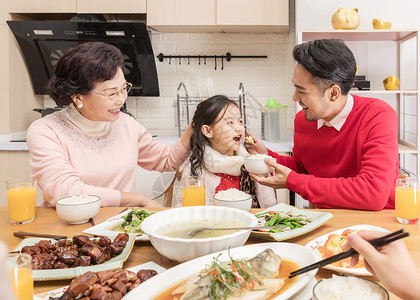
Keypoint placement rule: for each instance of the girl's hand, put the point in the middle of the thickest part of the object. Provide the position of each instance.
(254, 145)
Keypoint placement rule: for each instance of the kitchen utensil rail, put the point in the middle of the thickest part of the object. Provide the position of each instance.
(386, 239)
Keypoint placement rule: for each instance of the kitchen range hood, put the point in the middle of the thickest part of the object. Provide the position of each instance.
(44, 42)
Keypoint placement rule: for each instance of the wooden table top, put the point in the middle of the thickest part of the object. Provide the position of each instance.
(47, 221)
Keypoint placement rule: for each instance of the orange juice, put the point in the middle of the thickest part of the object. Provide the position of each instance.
(193, 196)
(407, 202)
(21, 203)
(22, 283)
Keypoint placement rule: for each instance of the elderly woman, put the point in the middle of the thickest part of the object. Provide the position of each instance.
(90, 147)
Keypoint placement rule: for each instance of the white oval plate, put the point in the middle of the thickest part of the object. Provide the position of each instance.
(104, 228)
(320, 241)
(299, 254)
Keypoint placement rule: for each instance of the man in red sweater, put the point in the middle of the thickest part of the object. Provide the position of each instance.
(345, 152)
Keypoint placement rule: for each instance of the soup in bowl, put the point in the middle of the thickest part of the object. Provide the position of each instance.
(167, 230)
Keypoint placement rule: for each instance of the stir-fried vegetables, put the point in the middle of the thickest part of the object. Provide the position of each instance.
(132, 220)
(228, 278)
(287, 219)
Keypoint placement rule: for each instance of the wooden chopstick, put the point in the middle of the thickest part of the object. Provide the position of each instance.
(23, 234)
(386, 239)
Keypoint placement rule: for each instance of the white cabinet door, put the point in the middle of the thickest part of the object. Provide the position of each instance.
(42, 6)
(253, 15)
(111, 6)
(182, 15)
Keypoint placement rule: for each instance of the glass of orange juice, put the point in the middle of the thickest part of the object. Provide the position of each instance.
(194, 191)
(407, 202)
(20, 270)
(21, 198)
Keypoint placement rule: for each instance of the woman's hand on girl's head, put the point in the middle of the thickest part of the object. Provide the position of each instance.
(185, 137)
(254, 145)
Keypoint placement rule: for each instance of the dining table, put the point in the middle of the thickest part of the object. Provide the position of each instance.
(46, 221)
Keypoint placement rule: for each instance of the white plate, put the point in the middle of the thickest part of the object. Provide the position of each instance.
(306, 292)
(57, 274)
(320, 241)
(318, 218)
(300, 255)
(60, 291)
(104, 228)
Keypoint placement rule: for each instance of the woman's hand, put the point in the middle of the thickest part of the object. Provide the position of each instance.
(277, 180)
(185, 137)
(391, 263)
(137, 200)
(254, 145)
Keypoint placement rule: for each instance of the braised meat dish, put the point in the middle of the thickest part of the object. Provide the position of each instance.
(80, 251)
(104, 285)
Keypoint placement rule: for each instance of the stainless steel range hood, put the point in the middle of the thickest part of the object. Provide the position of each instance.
(44, 42)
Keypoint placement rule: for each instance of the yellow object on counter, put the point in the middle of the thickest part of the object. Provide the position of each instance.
(379, 24)
(391, 83)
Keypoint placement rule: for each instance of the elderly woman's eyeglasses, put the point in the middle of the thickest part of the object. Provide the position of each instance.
(112, 96)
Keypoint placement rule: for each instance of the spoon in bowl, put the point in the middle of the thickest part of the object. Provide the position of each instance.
(194, 231)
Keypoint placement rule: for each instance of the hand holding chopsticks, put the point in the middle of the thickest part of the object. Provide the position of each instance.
(375, 243)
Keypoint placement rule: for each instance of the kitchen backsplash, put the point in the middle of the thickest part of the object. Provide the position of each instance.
(263, 78)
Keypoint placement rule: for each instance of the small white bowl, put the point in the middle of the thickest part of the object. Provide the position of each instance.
(258, 165)
(78, 209)
(180, 249)
(354, 286)
(239, 200)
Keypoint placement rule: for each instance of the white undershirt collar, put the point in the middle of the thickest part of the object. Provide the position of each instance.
(338, 121)
(89, 126)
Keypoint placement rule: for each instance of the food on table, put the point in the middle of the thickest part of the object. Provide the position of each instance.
(180, 229)
(235, 279)
(104, 284)
(287, 219)
(80, 251)
(332, 246)
(132, 220)
(348, 287)
(231, 195)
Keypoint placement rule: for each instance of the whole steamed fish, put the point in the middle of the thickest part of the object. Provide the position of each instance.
(250, 279)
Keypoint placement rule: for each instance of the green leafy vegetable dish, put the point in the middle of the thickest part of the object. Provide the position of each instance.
(132, 220)
(287, 219)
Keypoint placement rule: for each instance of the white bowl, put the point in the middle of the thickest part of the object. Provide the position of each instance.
(236, 202)
(180, 249)
(258, 165)
(353, 286)
(78, 209)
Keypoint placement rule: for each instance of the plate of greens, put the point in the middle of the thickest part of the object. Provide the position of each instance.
(295, 221)
(128, 221)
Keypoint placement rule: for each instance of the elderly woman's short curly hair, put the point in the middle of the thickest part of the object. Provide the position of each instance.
(81, 68)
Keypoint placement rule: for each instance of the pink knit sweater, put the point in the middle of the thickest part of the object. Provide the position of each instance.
(68, 161)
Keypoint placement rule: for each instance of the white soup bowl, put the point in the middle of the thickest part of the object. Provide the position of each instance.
(78, 209)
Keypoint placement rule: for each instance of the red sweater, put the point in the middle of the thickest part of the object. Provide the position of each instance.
(354, 168)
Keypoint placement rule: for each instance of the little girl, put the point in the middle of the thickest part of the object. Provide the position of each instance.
(218, 154)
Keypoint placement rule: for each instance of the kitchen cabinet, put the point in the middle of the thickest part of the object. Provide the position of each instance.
(379, 54)
(111, 6)
(42, 6)
(218, 15)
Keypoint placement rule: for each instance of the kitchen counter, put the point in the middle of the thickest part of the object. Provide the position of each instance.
(6, 145)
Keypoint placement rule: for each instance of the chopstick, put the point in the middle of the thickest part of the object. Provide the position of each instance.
(23, 234)
(386, 239)
(92, 222)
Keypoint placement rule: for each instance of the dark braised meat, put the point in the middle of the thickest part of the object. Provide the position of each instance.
(145, 274)
(104, 285)
(81, 251)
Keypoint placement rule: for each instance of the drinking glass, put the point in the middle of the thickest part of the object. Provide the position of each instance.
(21, 198)
(193, 191)
(407, 202)
(19, 266)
